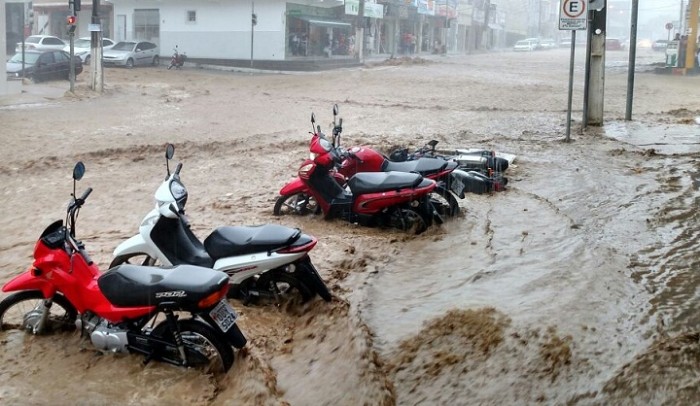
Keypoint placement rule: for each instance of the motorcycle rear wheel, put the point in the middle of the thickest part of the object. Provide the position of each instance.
(22, 310)
(201, 342)
(286, 285)
(299, 204)
(133, 259)
(408, 220)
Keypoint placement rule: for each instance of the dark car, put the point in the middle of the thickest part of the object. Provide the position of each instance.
(42, 65)
(614, 44)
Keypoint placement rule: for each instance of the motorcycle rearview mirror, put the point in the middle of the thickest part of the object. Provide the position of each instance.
(169, 152)
(78, 170)
(336, 109)
(313, 122)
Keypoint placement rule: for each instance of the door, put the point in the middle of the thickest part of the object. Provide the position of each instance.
(121, 28)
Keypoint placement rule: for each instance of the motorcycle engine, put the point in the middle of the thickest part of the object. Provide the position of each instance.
(102, 335)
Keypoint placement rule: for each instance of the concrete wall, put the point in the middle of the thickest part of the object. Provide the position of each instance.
(222, 29)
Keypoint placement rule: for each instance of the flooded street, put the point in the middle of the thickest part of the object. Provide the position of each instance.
(579, 284)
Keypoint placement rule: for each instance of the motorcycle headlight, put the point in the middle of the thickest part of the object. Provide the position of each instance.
(179, 193)
(313, 155)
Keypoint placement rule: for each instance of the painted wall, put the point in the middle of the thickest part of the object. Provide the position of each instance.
(222, 28)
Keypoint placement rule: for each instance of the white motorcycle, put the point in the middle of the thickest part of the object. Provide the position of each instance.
(262, 261)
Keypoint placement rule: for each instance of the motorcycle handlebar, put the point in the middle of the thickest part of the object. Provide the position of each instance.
(85, 194)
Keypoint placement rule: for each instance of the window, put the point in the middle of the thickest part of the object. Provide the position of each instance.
(146, 24)
(191, 16)
(52, 41)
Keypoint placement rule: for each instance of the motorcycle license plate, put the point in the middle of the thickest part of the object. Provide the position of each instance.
(457, 187)
(223, 315)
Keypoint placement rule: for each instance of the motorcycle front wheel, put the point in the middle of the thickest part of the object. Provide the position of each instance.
(444, 202)
(133, 259)
(204, 347)
(299, 204)
(23, 311)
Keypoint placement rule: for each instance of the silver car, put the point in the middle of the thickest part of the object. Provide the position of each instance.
(131, 53)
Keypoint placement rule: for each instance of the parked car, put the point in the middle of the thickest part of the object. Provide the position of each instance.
(41, 43)
(545, 44)
(614, 44)
(131, 53)
(42, 65)
(82, 47)
(660, 45)
(525, 45)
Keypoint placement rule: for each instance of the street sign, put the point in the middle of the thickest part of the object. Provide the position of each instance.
(573, 15)
(669, 26)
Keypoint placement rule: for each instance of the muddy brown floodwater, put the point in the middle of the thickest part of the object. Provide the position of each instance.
(579, 284)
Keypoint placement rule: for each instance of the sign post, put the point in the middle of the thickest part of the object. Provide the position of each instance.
(573, 15)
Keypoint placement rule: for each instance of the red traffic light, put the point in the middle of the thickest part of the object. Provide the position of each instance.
(71, 20)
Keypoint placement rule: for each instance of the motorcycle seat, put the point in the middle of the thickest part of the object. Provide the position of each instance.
(424, 166)
(135, 285)
(371, 182)
(230, 241)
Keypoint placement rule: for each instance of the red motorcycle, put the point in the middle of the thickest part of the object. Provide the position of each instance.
(177, 60)
(177, 315)
(366, 159)
(393, 199)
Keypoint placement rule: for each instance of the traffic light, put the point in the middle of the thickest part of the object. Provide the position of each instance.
(255, 19)
(76, 5)
(71, 20)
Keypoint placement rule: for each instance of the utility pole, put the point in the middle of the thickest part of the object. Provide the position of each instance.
(594, 89)
(96, 68)
(360, 32)
(632, 57)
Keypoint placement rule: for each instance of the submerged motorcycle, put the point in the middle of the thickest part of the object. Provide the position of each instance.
(261, 261)
(393, 199)
(178, 315)
(366, 159)
(478, 170)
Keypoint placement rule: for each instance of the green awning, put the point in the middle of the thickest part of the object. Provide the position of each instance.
(324, 22)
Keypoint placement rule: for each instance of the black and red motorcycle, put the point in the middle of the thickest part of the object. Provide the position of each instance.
(393, 199)
(177, 315)
(177, 60)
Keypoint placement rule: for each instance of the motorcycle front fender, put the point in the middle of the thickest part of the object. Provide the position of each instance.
(136, 245)
(294, 186)
(27, 281)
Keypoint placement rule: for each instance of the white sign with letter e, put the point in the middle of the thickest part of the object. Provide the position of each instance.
(573, 15)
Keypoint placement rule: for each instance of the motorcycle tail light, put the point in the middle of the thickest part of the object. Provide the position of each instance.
(214, 298)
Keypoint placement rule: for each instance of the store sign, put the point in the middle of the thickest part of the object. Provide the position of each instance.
(372, 10)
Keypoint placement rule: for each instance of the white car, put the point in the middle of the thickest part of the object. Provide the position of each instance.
(525, 45)
(82, 47)
(41, 43)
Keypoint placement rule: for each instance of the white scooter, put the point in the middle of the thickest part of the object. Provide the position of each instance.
(266, 260)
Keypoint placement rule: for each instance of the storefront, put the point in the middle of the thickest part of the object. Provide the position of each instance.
(319, 32)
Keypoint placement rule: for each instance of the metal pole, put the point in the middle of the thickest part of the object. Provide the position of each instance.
(360, 34)
(71, 72)
(632, 57)
(571, 85)
(680, 19)
(252, 31)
